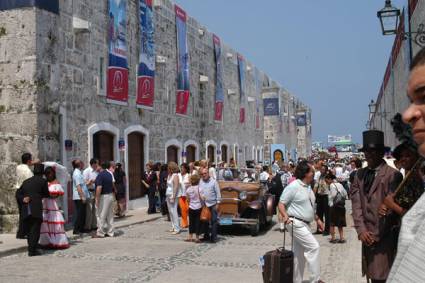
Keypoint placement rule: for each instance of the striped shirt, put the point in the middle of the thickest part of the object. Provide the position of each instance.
(410, 260)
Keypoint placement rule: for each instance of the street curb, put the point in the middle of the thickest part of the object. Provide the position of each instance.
(76, 237)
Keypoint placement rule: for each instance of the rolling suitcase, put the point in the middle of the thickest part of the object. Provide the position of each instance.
(278, 265)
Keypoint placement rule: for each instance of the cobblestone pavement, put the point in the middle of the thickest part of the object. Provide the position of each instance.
(147, 253)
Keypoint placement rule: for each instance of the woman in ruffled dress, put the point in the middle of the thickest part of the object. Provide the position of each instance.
(52, 232)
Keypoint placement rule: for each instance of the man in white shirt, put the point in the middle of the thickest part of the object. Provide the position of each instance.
(296, 207)
(89, 175)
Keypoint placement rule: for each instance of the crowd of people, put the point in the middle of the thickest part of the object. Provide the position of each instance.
(387, 199)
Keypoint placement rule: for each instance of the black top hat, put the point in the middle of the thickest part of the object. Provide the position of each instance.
(373, 139)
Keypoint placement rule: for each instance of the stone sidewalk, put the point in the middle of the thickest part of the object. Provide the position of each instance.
(11, 245)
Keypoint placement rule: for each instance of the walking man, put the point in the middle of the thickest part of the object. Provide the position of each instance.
(90, 174)
(210, 194)
(30, 196)
(370, 187)
(104, 201)
(296, 207)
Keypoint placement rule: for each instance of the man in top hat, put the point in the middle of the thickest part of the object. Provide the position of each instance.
(30, 196)
(370, 187)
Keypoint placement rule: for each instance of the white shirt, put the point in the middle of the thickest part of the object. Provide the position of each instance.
(410, 260)
(264, 176)
(334, 189)
(23, 172)
(213, 173)
(298, 199)
(317, 175)
(90, 175)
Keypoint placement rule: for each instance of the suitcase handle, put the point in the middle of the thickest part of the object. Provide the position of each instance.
(292, 235)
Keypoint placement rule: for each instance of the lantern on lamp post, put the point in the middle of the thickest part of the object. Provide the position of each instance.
(389, 17)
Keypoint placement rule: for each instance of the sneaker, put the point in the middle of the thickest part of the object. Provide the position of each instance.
(176, 232)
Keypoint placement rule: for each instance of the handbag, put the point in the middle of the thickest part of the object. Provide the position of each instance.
(205, 211)
(339, 200)
(205, 214)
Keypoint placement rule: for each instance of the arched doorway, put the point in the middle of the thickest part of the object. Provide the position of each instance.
(103, 146)
(190, 153)
(211, 153)
(136, 161)
(173, 154)
(224, 153)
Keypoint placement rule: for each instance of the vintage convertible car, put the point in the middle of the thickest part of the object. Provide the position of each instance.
(246, 204)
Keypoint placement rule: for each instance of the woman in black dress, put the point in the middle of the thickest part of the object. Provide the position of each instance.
(163, 175)
(150, 181)
(120, 181)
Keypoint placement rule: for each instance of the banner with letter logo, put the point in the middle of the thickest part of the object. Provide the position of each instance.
(271, 106)
(241, 68)
(183, 84)
(219, 91)
(146, 68)
(117, 86)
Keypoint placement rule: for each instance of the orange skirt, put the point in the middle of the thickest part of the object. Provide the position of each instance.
(184, 209)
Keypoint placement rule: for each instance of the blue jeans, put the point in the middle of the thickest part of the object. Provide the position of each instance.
(211, 230)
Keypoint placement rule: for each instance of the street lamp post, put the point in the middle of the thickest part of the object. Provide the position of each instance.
(372, 110)
(389, 17)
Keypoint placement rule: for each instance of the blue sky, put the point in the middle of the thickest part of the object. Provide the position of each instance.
(329, 53)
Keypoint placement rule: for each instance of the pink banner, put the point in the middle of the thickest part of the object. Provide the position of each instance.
(117, 84)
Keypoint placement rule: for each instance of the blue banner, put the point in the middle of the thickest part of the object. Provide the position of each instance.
(146, 69)
(301, 120)
(219, 90)
(183, 84)
(258, 88)
(48, 5)
(242, 97)
(271, 106)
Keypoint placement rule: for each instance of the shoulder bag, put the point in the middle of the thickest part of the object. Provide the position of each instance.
(205, 211)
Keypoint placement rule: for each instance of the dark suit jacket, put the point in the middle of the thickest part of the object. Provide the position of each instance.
(366, 218)
(36, 188)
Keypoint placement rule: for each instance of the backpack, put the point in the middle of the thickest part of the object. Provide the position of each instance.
(339, 200)
(276, 187)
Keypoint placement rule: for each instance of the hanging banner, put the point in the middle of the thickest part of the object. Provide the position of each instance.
(242, 98)
(271, 106)
(50, 5)
(183, 91)
(301, 119)
(258, 84)
(146, 69)
(117, 87)
(219, 91)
